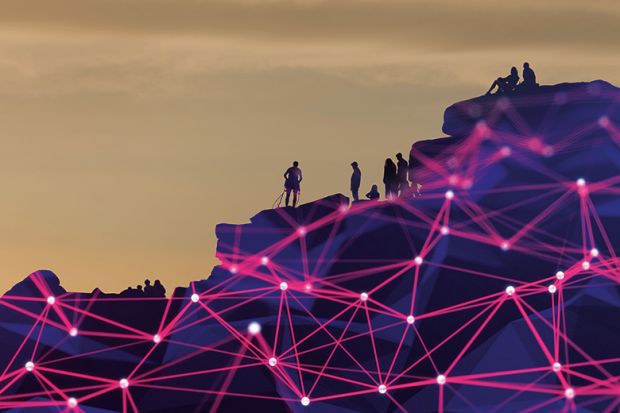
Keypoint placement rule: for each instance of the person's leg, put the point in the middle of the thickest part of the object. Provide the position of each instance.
(493, 86)
(288, 195)
(356, 196)
(295, 198)
(387, 191)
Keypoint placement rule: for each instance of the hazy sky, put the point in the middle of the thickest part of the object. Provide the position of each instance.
(130, 128)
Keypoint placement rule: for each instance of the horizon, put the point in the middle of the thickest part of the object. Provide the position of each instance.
(121, 122)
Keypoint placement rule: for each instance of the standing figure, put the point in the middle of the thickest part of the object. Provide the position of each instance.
(390, 178)
(403, 171)
(356, 180)
(292, 179)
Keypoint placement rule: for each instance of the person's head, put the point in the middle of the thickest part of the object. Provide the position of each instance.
(295, 164)
(354, 165)
(514, 71)
(139, 287)
(147, 282)
(388, 161)
(374, 188)
(399, 156)
(526, 65)
(157, 282)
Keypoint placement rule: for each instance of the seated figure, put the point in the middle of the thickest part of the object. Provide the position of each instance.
(529, 79)
(506, 85)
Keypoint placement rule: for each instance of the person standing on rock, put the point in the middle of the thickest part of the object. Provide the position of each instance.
(356, 180)
(403, 171)
(390, 179)
(292, 181)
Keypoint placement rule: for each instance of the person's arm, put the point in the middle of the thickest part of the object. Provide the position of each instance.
(285, 174)
(300, 176)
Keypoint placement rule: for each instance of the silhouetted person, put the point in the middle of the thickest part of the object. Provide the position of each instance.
(390, 179)
(148, 289)
(128, 292)
(139, 292)
(403, 171)
(411, 164)
(158, 289)
(506, 85)
(356, 180)
(374, 193)
(529, 78)
(292, 179)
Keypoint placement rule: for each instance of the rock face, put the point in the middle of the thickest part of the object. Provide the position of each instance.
(496, 290)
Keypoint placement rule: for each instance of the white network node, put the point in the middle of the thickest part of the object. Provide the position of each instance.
(441, 379)
(382, 388)
(445, 230)
(552, 289)
(418, 260)
(72, 402)
(559, 275)
(254, 328)
(594, 252)
(364, 296)
(283, 286)
(510, 290)
(29, 366)
(195, 297)
(123, 383)
(585, 265)
(305, 401)
(73, 332)
(51, 300)
(273, 361)
(569, 393)
(449, 194)
(264, 260)
(410, 319)
(156, 339)
(557, 367)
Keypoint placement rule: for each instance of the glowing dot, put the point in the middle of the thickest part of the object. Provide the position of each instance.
(273, 362)
(453, 179)
(343, 208)
(382, 388)
(441, 379)
(305, 401)
(559, 275)
(264, 260)
(73, 332)
(283, 286)
(445, 230)
(123, 383)
(506, 151)
(449, 194)
(418, 260)
(195, 297)
(308, 287)
(51, 300)
(156, 339)
(234, 269)
(594, 252)
(510, 290)
(72, 402)
(505, 246)
(552, 289)
(557, 367)
(548, 151)
(364, 296)
(301, 231)
(581, 182)
(585, 265)
(569, 393)
(254, 328)
(410, 319)
(603, 121)
(29, 366)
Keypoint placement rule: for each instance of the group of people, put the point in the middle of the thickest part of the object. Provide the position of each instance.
(395, 179)
(510, 84)
(155, 290)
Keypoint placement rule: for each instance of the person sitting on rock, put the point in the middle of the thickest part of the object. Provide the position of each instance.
(529, 78)
(158, 289)
(148, 288)
(374, 193)
(506, 85)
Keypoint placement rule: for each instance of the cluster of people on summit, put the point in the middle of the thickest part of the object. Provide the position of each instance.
(510, 84)
(155, 290)
(397, 177)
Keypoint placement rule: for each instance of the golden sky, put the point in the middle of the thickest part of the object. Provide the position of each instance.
(130, 128)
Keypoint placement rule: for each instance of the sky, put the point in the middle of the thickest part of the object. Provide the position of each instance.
(130, 128)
